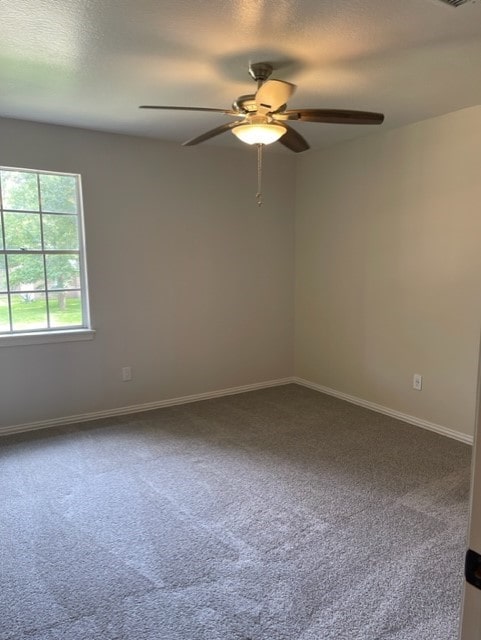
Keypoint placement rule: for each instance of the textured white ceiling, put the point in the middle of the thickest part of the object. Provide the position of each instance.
(90, 63)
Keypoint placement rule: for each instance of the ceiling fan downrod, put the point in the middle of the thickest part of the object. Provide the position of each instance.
(260, 72)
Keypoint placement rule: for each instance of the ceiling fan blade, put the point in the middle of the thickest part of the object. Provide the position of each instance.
(210, 134)
(334, 116)
(229, 112)
(293, 140)
(273, 94)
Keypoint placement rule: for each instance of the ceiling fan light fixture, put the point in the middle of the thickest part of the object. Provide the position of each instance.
(265, 133)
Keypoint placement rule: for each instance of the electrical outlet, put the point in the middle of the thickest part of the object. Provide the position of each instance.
(126, 374)
(417, 381)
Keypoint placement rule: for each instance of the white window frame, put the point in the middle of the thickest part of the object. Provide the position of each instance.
(54, 334)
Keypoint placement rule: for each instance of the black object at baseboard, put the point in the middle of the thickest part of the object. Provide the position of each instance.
(472, 568)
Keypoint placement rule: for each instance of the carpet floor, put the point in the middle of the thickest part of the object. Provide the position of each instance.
(280, 514)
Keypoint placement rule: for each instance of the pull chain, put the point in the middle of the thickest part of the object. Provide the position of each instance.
(259, 175)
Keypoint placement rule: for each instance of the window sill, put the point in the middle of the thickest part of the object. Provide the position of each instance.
(22, 339)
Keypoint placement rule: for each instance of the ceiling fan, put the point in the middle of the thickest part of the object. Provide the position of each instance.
(262, 118)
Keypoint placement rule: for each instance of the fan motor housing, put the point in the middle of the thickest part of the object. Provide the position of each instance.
(245, 104)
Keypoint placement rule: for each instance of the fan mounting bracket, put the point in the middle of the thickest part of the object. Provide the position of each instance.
(260, 71)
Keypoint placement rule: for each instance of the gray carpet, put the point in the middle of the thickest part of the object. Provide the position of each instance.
(280, 514)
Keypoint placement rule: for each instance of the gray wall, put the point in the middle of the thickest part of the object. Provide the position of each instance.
(191, 283)
(388, 255)
(193, 286)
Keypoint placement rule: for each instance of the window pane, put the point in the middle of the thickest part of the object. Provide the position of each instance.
(63, 272)
(3, 274)
(60, 232)
(4, 321)
(29, 312)
(58, 193)
(22, 231)
(25, 272)
(65, 309)
(41, 251)
(19, 190)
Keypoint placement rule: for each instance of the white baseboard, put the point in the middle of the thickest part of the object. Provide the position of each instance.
(137, 408)
(149, 406)
(418, 422)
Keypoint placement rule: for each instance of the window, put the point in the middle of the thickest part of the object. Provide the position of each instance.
(43, 287)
